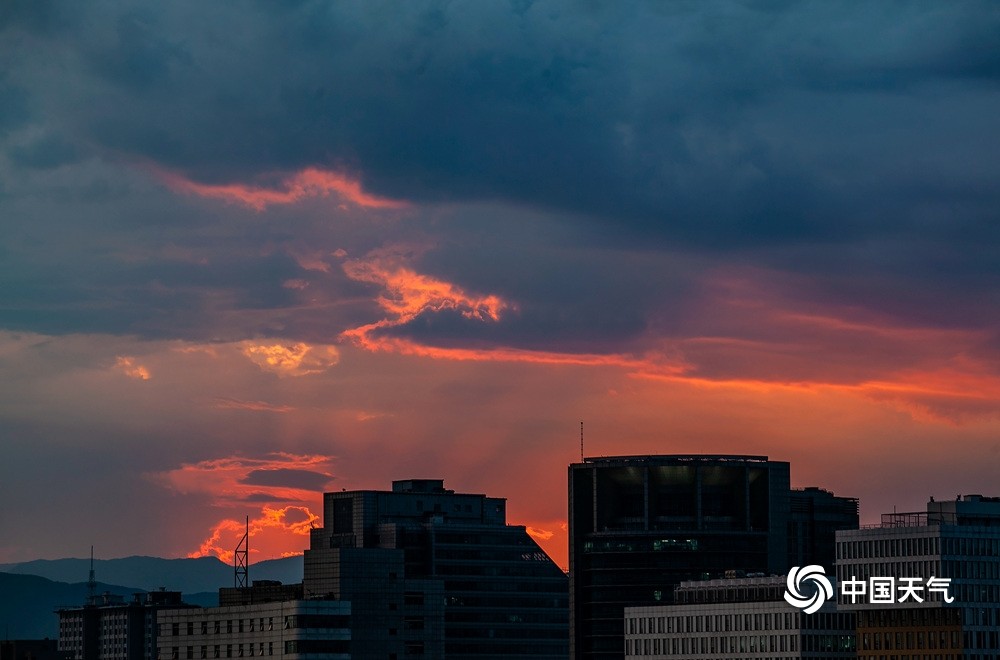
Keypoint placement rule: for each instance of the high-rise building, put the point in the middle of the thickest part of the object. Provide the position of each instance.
(926, 584)
(109, 628)
(744, 618)
(815, 517)
(640, 525)
(436, 573)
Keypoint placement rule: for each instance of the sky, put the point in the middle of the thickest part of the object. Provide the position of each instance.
(255, 251)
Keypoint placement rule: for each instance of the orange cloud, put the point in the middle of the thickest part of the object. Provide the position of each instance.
(228, 480)
(287, 484)
(239, 404)
(409, 294)
(552, 536)
(128, 366)
(270, 534)
(539, 534)
(291, 359)
(310, 182)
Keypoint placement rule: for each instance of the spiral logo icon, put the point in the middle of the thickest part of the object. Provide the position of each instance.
(822, 590)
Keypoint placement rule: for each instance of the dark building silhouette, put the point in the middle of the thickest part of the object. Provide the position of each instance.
(815, 517)
(111, 628)
(436, 573)
(641, 525)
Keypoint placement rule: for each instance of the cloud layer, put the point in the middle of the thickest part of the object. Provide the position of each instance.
(428, 238)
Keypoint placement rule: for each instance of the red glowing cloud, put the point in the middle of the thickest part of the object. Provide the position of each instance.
(286, 487)
(230, 481)
(408, 294)
(310, 182)
(271, 534)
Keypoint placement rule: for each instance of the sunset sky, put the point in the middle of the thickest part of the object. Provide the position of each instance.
(252, 251)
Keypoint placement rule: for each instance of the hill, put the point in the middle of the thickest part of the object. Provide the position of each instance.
(205, 574)
(28, 603)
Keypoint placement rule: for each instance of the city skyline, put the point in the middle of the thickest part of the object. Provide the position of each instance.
(253, 254)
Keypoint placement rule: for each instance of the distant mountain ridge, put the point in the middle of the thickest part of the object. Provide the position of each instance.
(28, 603)
(204, 574)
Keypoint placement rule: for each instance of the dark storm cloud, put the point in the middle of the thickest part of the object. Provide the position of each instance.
(658, 119)
(288, 478)
(843, 141)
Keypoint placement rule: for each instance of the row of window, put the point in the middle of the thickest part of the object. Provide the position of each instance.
(732, 644)
(916, 547)
(911, 640)
(928, 656)
(696, 623)
(217, 627)
(203, 652)
(901, 547)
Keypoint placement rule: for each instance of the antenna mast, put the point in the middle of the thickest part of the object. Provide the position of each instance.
(240, 560)
(91, 581)
(581, 441)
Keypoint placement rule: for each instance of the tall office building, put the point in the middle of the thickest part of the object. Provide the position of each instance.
(896, 572)
(815, 517)
(109, 628)
(640, 525)
(436, 573)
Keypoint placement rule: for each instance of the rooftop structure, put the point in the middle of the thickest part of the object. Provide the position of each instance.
(939, 573)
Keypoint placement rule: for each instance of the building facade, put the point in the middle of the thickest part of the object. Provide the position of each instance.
(282, 630)
(109, 628)
(815, 517)
(641, 525)
(742, 619)
(436, 573)
(902, 613)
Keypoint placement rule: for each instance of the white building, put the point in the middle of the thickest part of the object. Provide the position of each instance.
(736, 619)
(283, 630)
(955, 543)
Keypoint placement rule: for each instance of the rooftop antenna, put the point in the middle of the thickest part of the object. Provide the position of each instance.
(581, 441)
(240, 559)
(91, 581)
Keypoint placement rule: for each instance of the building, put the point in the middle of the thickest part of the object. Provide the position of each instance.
(109, 628)
(910, 616)
(641, 525)
(284, 630)
(736, 618)
(436, 573)
(815, 517)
